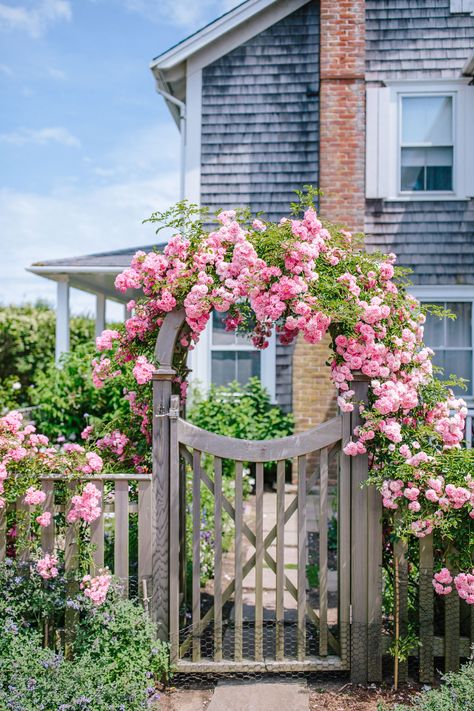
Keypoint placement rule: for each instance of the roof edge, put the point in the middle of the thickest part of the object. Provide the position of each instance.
(209, 33)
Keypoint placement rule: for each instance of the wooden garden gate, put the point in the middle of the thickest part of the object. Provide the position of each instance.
(218, 631)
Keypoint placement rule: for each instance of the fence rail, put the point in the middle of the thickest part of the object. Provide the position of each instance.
(122, 495)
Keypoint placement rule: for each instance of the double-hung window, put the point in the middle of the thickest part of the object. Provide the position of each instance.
(419, 140)
(232, 356)
(427, 143)
(452, 341)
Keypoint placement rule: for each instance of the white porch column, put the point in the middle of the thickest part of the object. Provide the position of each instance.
(99, 314)
(62, 317)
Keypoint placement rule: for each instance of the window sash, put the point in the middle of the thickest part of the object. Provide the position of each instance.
(429, 147)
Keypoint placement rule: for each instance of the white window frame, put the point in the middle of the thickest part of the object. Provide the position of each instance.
(432, 194)
(383, 139)
(200, 361)
(453, 294)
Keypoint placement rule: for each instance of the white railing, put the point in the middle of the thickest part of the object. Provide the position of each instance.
(469, 433)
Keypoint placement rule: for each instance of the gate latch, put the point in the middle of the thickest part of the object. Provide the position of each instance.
(174, 406)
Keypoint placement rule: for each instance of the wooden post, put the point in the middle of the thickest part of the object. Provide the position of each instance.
(162, 382)
(359, 548)
(426, 612)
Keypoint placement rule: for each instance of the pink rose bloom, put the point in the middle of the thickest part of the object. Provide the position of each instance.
(87, 431)
(143, 370)
(46, 567)
(105, 341)
(96, 588)
(34, 497)
(44, 519)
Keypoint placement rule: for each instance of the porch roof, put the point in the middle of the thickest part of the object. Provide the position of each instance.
(94, 273)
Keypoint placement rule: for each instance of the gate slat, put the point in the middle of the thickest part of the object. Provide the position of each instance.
(323, 553)
(374, 589)
(97, 530)
(70, 567)
(238, 561)
(280, 562)
(259, 562)
(47, 533)
(301, 641)
(196, 612)
(121, 553)
(426, 610)
(144, 537)
(3, 533)
(174, 533)
(218, 559)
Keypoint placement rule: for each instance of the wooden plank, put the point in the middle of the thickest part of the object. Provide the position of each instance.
(24, 529)
(196, 584)
(400, 551)
(71, 560)
(259, 480)
(295, 445)
(160, 498)
(117, 476)
(121, 544)
(3, 533)
(97, 531)
(47, 533)
(311, 664)
(426, 611)
(451, 630)
(301, 639)
(344, 542)
(359, 552)
(238, 609)
(280, 563)
(374, 587)
(174, 533)
(218, 559)
(144, 537)
(323, 553)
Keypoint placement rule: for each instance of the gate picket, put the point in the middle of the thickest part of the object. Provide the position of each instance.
(280, 563)
(218, 559)
(323, 553)
(238, 611)
(196, 613)
(259, 562)
(301, 638)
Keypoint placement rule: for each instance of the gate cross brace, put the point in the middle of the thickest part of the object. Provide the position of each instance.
(269, 538)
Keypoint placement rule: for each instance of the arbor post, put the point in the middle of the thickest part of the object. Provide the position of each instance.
(366, 559)
(162, 385)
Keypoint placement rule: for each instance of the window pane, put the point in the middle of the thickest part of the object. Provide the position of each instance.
(434, 330)
(455, 363)
(221, 337)
(427, 169)
(248, 365)
(223, 367)
(459, 331)
(427, 119)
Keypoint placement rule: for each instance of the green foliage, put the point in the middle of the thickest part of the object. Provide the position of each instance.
(244, 412)
(68, 400)
(27, 341)
(312, 575)
(456, 692)
(116, 660)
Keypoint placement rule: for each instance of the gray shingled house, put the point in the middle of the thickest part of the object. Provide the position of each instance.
(245, 94)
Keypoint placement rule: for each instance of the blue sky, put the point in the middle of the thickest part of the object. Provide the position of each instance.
(87, 148)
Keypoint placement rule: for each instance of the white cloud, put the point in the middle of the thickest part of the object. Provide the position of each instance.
(40, 136)
(142, 176)
(56, 73)
(5, 69)
(180, 12)
(35, 18)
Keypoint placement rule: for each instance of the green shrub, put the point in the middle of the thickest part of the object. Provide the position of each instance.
(456, 692)
(245, 412)
(115, 662)
(27, 344)
(67, 399)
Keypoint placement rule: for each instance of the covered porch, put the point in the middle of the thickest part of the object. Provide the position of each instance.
(91, 273)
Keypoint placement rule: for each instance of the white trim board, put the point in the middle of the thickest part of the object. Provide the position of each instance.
(243, 13)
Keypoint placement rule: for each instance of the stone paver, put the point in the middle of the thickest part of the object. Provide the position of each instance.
(261, 696)
(189, 700)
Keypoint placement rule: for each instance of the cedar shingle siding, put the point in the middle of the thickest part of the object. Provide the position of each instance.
(411, 39)
(421, 39)
(260, 130)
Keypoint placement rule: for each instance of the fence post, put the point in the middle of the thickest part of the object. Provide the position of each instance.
(162, 380)
(162, 383)
(366, 563)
